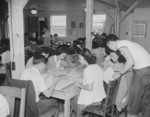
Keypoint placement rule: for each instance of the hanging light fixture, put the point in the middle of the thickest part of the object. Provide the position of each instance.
(33, 11)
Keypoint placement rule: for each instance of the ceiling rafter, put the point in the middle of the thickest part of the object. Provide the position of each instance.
(132, 7)
(112, 4)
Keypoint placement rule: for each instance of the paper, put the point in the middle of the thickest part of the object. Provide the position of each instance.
(49, 81)
(62, 83)
(107, 74)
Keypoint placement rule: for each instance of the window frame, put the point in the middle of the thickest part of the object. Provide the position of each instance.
(104, 23)
(65, 26)
(143, 30)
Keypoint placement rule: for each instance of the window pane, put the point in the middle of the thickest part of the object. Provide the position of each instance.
(99, 23)
(58, 25)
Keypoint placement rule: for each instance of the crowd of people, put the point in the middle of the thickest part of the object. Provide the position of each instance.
(107, 51)
(127, 59)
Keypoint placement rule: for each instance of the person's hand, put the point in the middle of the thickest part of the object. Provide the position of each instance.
(116, 75)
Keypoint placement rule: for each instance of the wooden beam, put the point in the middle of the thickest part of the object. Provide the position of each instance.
(107, 3)
(89, 20)
(117, 18)
(109, 14)
(105, 8)
(132, 7)
(16, 35)
(123, 6)
(112, 4)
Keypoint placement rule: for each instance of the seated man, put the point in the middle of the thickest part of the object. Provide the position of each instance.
(43, 51)
(34, 74)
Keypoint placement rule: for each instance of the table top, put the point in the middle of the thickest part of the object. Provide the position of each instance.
(68, 77)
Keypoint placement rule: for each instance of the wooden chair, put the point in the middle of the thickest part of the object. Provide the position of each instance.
(8, 70)
(11, 93)
(108, 105)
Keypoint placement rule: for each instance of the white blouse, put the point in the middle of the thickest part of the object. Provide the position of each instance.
(92, 74)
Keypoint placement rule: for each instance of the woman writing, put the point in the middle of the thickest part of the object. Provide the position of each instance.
(92, 89)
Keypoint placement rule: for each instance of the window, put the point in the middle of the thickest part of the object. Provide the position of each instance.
(99, 23)
(139, 29)
(58, 25)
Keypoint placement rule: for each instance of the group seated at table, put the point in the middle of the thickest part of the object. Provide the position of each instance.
(65, 57)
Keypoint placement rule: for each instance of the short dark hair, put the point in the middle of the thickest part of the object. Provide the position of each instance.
(111, 37)
(121, 58)
(95, 45)
(88, 56)
(108, 50)
(39, 59)
(45, 50)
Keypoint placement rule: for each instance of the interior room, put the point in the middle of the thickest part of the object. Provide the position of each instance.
(32, 27)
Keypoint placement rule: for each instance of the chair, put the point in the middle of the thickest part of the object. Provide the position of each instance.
(108, 105)
(11, 93)
(31, 105)
(8, 69)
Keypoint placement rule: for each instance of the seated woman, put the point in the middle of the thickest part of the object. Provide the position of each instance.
(56, 61)
(92, 85)
(43, 51)
(117, 61)
(71, 60)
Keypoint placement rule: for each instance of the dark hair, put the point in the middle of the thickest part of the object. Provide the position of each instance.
(121, 58)
(111, 37)
(88, 56)
(108, 50)
(32, 39)
(95, 45)
(55, 35)
(39, 59)
(99, 41)
(61, 49)
(45, 50)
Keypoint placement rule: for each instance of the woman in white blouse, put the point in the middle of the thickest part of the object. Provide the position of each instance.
(92, 89)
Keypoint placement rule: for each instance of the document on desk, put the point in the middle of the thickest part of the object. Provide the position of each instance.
(63, 83)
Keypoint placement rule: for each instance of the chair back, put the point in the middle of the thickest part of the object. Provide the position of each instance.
(8, 70)
(11, 93)
(111, 96)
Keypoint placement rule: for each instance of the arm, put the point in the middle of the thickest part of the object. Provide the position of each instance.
(88, 87)
(48, 93)
(129, 59)
(129, 62)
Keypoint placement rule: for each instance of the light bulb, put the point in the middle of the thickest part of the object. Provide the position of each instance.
(34, 11)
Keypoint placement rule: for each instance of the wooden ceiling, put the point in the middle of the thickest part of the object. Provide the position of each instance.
(65, 5)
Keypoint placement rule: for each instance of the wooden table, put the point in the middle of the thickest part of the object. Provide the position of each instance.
(66, 96)
(67, 93)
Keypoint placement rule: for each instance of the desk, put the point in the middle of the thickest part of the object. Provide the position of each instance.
(68, 92)
(66, 96)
